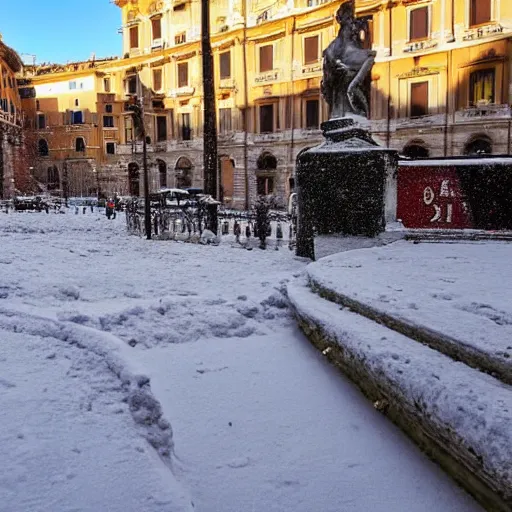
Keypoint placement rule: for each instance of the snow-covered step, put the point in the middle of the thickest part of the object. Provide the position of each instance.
(453, 300)
(459, 416)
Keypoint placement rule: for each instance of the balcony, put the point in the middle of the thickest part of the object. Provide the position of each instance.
(420, 122)
(419, 46)
(483, 112)
(181, 91)
(481, 32)
(227, 83)
(315, 67)
(270, 76)
(12, 119)
(160, 147)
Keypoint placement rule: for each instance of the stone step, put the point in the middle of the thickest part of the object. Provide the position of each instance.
(458, 416)
(457, 349)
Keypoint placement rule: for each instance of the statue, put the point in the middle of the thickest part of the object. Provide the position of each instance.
(346, 66)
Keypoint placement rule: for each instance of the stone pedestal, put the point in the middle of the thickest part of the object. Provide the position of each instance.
(346, 185)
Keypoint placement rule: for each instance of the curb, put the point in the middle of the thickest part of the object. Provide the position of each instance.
(451, 347)
(357, 357)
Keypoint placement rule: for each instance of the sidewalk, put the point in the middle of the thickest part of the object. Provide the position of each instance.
(394, 301)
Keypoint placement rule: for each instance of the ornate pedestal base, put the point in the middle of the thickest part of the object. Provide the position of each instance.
(343, 184)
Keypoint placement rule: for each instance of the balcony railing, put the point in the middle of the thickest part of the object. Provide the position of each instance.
(14, 119)
(269, 76)
(227, 83)
(480, 32)
(413, 122)
(485, 112)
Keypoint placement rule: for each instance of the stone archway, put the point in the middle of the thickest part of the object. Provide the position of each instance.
(42, 147)
(162, 173)
(184, 172)
(416, 149)
(266, 174)
(134, 179)
(227, 179)
(478, 145)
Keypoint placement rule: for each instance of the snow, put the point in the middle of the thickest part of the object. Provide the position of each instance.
(124, 362)
(469, 410)
(454, 289)
(265, 425)
(456, 162)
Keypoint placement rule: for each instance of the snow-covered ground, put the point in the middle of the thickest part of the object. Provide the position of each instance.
(458, 290)
(258, 421)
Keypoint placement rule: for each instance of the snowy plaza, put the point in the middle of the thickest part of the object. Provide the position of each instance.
(164, 376)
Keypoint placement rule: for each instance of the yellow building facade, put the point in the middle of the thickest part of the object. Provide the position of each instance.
(441, 85)
(11, 119)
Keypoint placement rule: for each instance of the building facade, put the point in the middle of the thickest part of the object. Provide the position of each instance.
(11, 120)
(441, 86)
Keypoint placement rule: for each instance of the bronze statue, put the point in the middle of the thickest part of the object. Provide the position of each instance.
(346, 66)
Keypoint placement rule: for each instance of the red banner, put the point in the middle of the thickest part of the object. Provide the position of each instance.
(431, 197)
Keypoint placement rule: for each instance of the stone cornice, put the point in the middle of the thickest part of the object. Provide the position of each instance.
(10, 57)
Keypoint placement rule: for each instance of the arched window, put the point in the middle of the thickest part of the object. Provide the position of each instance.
(184, 173)
(42, 147)
(415, 150)
(267, 162)
(80, 145)
(265, 176)
(162, 173)
(479, 145)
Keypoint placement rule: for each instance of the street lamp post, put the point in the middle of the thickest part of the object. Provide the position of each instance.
(137, 108)
(210, 156)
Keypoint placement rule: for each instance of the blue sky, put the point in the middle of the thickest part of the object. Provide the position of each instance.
(61, 30)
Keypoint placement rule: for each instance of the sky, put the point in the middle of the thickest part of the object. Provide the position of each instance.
(61, 30)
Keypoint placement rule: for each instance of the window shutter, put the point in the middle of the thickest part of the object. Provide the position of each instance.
(419, 24)
(225, 64)
(157, 79)
(266, 118)
(134, 37)
(312, 114)
(419, 99)
(156, 25)
(266, 58)
(480, 12)
(310, 49)
(182, 74)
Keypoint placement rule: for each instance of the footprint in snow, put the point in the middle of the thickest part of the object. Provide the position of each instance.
(240, 462)
(6, 384)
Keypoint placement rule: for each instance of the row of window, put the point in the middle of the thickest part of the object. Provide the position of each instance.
(266, 63)
(481, 92)
(79, 147)
(7, 106)
(156, 30)
(8, 81)
(480, 13)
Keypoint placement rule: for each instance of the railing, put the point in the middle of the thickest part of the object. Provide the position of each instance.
(188, 221)
(15, 119)
(491, 111)
(428, 120)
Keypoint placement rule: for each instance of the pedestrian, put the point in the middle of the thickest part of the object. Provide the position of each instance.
(109, 209)
(237, 231)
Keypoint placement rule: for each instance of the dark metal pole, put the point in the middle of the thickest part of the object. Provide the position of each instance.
(147, 206)
(246, 110)
(210, 118)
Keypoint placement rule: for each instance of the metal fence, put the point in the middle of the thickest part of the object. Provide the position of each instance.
(188, 222)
